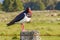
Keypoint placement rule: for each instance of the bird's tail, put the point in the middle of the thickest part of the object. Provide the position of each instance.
(10, 23)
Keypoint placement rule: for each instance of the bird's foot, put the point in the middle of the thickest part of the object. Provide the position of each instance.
(23, 30)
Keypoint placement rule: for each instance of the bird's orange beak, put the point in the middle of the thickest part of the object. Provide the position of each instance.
(30, 12)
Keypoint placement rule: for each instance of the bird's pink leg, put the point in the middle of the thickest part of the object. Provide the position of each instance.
(22, 27)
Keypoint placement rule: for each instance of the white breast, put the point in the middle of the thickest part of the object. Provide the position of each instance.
(25, 19)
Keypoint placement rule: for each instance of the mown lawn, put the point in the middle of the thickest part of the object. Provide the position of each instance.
(43, 23)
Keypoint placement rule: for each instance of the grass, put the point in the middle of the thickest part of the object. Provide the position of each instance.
(46, 25)
(42, 38)
(50, 38)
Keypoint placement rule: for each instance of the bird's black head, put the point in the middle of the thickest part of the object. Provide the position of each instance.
(29, 11)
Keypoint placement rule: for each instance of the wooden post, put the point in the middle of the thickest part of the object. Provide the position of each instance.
(29, 35)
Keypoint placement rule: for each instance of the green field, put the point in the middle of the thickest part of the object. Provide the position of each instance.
(47, 23)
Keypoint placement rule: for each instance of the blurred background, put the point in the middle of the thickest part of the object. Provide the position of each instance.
(17, 5)
(45, 18)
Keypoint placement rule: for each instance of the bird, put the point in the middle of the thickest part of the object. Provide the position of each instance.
(23, 17)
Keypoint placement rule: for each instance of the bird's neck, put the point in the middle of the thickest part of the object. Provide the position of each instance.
(26, 11)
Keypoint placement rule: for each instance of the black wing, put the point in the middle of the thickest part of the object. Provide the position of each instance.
(16, 19)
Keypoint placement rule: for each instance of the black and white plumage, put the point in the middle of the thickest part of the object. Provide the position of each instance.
(25, 16)
(22, 17)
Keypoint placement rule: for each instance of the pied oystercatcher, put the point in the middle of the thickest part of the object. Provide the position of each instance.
(23, 17)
